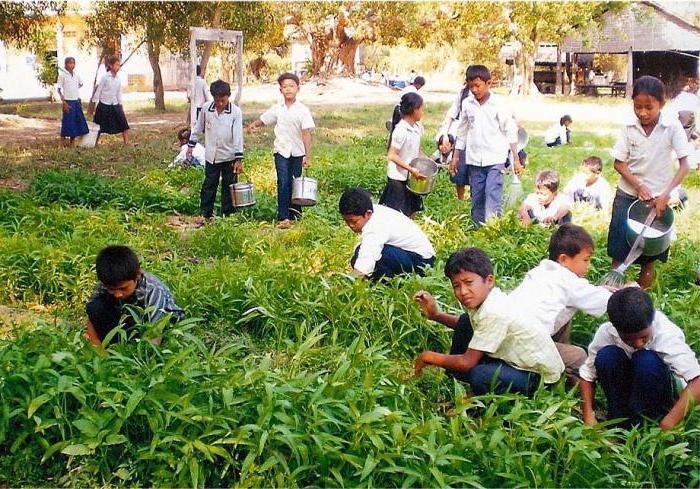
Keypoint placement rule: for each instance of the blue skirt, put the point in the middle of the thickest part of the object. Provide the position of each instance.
(73, 123)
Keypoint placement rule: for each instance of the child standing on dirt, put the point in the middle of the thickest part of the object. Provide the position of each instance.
(73, 123)
(292, 146)
(644, 159)
(109, 113)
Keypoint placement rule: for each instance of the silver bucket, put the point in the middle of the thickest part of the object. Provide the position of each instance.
(428, 168)
(304, 191)
(242, 194)
(657, 238)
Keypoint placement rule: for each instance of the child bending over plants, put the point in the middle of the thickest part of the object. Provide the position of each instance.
(492, 344)
(122, 288)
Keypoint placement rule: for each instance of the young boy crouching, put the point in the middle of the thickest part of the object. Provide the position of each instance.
(123, 285)
(492, 339)
(546, 206)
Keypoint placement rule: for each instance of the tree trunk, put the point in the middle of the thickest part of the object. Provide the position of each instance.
(154, 58)
(318, 52)
(347, 56)
(528, 72)
(209, 45)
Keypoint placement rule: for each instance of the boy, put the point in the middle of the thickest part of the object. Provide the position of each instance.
(221, 124)
(124, 285)
(198, 152)
(545, 206)
(73, 123)
(589, 186)
(392, 244)
(635, 358)
(201, 92)
(553, 291)
(292, 147)
(487, 130)
(492, 339)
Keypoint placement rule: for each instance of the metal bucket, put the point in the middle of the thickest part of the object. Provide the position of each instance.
(242, 194)
(523, 138)
(428, 168)
(304, 191)
(657, 238)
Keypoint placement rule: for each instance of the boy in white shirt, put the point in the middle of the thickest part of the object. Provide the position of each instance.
(589, 186)
(73, 123)
(201, 92)
(292, 147)
(559, 134)
(392, 244)
(198, 152)
(545, 205)
(635, 358)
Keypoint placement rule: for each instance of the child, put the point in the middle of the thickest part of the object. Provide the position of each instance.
(555, 290)
(443, 157)
(559, 134)
(635, 357)
(292, 147)
(391, 243)
(201, 91)
(108, 96)
(198, 153)
(123, 285)
(404, 146)
(643, 158)
(416, 84)
(545, 206)
(73, 123)
(491, 339)
(223, 152)
(487, 130)
(589, 186)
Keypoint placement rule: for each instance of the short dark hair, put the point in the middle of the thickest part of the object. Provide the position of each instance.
(115, 264)
(565, 118)
(419, 80)
(68, 58)
(355, 202)
(110, 61)
(183, 134)
(569, 240)
(199, 70)
(549, 179)
(472, 260)
(630, 310)
(478, 71)
(649, 85)
(450, 138)
(288, 76)
(410, 102)
(593, 163)
(220, 88)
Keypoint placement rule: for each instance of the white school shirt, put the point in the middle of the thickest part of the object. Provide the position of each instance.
(598, 193)
(109, 90)
(198, 153)
(685, 101)
(223, 133)
(502, 332)
(449, 122)
(555, 131)
(289, 122)
(405, 139)
(69, 84)
(541, 212)
(667, 340)
(389, 227)
(650, 158)
(551, 294)
(486, 131)
(201, 92)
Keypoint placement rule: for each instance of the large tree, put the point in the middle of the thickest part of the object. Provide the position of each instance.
(21, 23)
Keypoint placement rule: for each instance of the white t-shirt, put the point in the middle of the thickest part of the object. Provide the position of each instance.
(551, 294)
(389, 227)
(555, 131)
(69, 84)
(289, 122)
(109, 91)
(541, 212)
(406, 139)
(598, 193)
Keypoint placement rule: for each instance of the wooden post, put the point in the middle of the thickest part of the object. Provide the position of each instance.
(559, 88)
(567, 69)
(630, 73)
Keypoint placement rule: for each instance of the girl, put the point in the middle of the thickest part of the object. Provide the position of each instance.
(643, 158)
(73, 123)
(560, 133)
(404, 146)
(110, 113)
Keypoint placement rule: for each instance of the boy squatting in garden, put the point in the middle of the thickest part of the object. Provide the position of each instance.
(122, 286)
(492, 339)
(546, 205)
(588, 185)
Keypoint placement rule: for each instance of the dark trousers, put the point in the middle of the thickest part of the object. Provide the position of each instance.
(105, 312)
(636, 387)
(395, 261)
(287, 169)
(486, 187)
(491, 374)
(212, 174)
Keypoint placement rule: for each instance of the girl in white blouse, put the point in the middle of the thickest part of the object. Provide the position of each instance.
(108, 96)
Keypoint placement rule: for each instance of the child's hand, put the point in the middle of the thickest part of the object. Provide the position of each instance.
(416, 173)
(661, 203)
(644, 193)
(518, 167)
(306, 162)
(188, 155)
(66, 107)
(238, 167)
(453, 167)
(427, 304)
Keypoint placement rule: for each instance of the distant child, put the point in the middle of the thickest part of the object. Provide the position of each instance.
(492, 339)
(636, 358)
(198, 152)
(391, 243)
(644, 159)
(553, 291)
(201, 92)
(559, 134)
(443, 157)
(488, 131)
(588, 185)
(123, 286)
(678, 198)
(221, 124)
(545, 205)
(404, 146)
(416, 84)
(73, 124)
(109, 113)
(292, 147)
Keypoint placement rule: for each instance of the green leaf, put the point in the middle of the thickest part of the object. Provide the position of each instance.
(133, 401)
(76, 450)
(36, 403)
(115, 439)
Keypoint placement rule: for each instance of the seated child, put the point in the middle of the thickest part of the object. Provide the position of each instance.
(392, 244)
(560, 133)
(555, 290)
(443, 156)
(124, 285)
(678, 198)
(635, 358)
(492, 338)
(545, 206)
(198, 158)
(589, 186)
